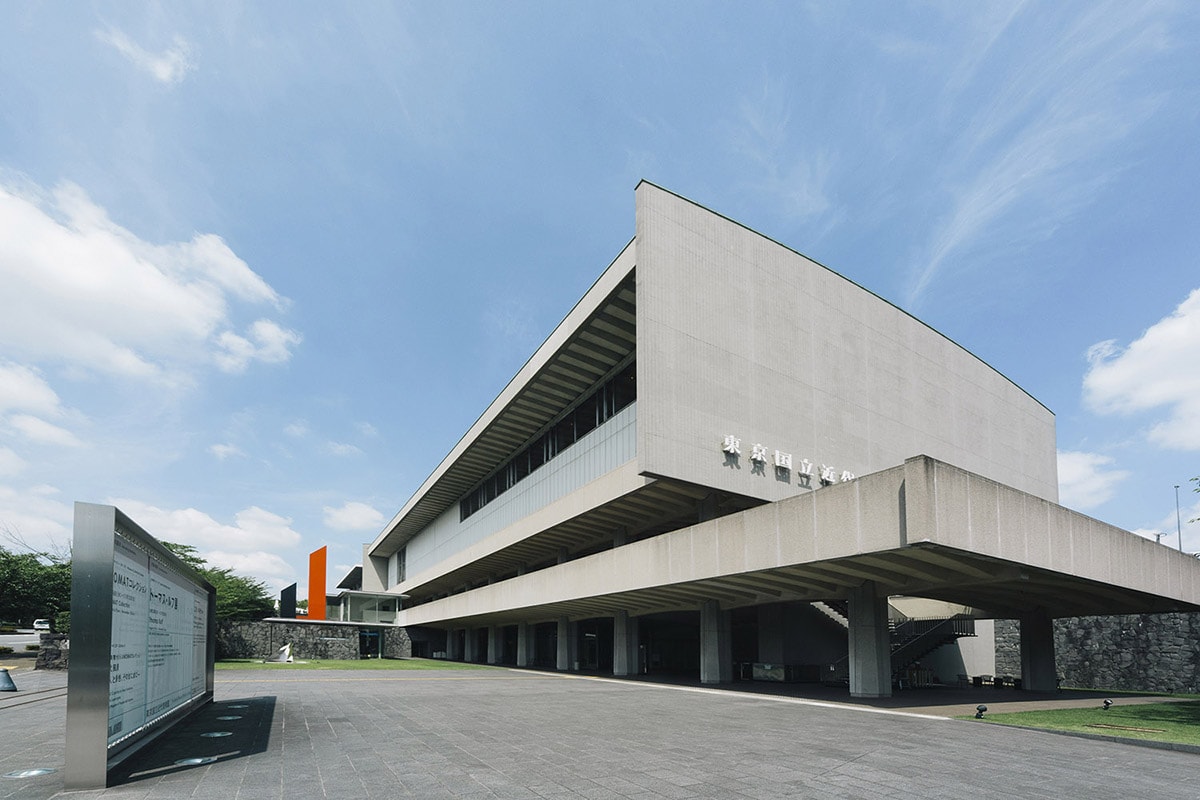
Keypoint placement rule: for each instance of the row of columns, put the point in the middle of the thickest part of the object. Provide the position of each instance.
(870, 664)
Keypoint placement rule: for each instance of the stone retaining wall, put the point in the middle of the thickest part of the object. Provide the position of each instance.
(1138, 652)
(54, 651)
(308, 640)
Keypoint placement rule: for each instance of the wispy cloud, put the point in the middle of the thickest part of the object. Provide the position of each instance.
(1087, 480)
(1157, 371)
(224, 451)
(343, 449)
(168, 67)
(353, 516)
(39, 431)
(1037, 148)
(765, 139)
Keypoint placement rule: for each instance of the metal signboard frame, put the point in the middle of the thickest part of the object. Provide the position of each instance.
(121, 648)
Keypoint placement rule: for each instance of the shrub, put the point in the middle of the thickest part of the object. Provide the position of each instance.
(62, 622)
(5, 649)
(32, 648)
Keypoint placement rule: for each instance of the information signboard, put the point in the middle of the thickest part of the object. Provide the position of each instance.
(141, 645)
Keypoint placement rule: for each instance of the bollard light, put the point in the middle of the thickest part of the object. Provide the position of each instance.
(979, 709)
(1107, 705)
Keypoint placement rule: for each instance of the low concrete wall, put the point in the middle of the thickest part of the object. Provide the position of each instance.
(308, 640)
(1137, 652)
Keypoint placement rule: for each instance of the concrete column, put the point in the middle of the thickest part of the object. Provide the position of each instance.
(716, 647)
(523, 643)
(564, 644)
(469, 638)
(1038, 670)
(493, 653)
(452, 645)
(625, 644)
(870, 651)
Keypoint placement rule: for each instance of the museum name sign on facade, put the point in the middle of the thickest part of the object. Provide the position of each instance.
(143, 625)
(804, 470)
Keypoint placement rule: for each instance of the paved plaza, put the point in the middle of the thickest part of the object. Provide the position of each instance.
(503, 733)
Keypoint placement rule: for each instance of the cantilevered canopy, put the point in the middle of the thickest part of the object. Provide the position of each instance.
(925, 529)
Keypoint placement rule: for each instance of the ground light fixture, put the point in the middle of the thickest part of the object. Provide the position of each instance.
(195, 762)
(30, 773)
(1107, 705)
(216, 734)
(979, 709)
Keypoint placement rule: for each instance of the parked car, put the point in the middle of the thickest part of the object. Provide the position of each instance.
(41, 624)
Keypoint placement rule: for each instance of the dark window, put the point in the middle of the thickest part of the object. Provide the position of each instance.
(595, 409)
(585, 416)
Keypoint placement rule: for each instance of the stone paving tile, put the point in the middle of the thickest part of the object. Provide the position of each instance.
(507, 734)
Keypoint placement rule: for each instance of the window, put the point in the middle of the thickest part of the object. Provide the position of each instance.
(595, 409)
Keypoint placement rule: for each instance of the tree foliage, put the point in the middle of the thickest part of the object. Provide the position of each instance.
(238, 597)
(32, 586)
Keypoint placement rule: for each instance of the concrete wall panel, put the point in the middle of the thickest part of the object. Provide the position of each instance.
(739, 335)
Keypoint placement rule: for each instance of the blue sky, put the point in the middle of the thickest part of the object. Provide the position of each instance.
(262, 265)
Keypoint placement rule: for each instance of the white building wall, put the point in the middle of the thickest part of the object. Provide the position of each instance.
(740, 335)
(599, 452)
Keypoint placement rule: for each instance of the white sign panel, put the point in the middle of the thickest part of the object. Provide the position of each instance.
(127, 678)
(159, 640)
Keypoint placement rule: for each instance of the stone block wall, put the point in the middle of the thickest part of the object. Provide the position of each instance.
(1137, 652)
(54, 651)
(263, 640)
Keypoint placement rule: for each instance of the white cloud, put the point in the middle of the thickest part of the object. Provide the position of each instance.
(1086, 480)
(367, 429)
(38, 430)
(1158, 371)
(268, 342)
(254, 529)
(1040, 149)
(353, 517)
(10, 463)
(24, 389)
(83, 290)
(297, 429)
(37, 515)
(224, 451)
(269, 568)
(169, 66)
(342, 449)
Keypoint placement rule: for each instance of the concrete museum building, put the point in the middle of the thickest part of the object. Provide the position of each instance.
(730, 460)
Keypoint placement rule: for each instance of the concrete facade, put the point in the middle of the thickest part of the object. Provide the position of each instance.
(722, 425)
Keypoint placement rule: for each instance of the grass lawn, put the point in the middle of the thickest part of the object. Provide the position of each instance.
(358, 664)
(1157, 722)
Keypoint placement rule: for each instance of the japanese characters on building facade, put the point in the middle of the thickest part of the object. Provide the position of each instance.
(825, 474)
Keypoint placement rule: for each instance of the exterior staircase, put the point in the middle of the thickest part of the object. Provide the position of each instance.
(911, 640)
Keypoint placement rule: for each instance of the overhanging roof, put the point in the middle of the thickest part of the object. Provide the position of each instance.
(598, 336)
(925, 529)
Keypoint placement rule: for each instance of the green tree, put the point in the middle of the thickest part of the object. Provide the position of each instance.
(32, 586)
(238, 597)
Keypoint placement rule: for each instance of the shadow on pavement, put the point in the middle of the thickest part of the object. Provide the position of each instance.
(220, 731)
